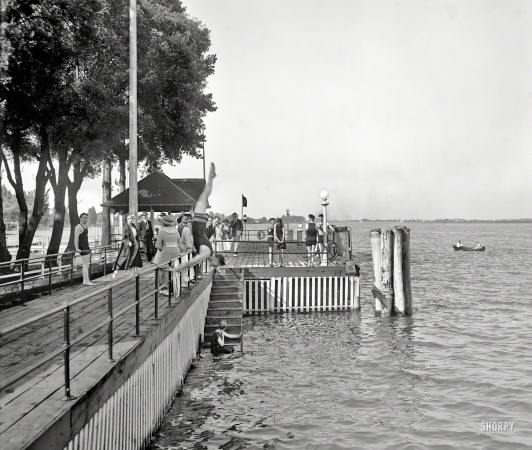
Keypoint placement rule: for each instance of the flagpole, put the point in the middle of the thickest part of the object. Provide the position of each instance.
(133, 163)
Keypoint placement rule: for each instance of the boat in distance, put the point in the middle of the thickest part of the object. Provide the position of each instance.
(469, 249)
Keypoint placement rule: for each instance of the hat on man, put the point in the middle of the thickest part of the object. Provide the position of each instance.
(235, 214)
(143, 213)
(167, 221)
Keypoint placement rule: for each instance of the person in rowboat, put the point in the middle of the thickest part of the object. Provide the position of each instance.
(199, 225)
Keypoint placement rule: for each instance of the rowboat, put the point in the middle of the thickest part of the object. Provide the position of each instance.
(469, 249)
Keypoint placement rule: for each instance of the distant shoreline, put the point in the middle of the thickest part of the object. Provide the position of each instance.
(450, 221)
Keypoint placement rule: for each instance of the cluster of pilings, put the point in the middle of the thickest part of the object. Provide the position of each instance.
(392, 289)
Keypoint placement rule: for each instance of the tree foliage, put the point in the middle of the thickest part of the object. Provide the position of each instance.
(64, 95)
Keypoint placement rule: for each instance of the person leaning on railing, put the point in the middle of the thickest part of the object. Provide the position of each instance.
(81, 242)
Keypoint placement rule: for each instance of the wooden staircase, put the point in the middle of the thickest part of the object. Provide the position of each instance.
(225, 304)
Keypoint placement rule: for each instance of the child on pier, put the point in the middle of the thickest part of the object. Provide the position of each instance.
(199, 225)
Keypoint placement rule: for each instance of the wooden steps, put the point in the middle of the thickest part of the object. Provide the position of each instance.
(225, 304)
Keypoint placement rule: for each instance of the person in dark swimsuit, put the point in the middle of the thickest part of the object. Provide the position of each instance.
(279, 238)
(202, 243)
(311, 239)
(270, 239)
(218, 346)
(81, 242)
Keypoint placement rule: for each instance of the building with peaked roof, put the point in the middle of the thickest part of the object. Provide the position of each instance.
(158, 192)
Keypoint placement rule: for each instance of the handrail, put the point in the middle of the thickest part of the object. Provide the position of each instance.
(67, 305)
(52, 255)
(49, 269)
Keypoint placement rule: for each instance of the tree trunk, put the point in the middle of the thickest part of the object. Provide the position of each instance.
(59, 187)
(122, 175)
(106, 196)
(4, 252)
(73, 189)
(41, 180)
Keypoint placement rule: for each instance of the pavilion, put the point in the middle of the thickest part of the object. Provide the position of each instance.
(158, 193)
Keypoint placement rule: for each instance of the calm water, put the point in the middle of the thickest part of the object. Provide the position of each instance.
(350, 380)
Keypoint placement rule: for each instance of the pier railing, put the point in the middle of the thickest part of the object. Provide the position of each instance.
(23, 275)
(258, 253)
(172, 288)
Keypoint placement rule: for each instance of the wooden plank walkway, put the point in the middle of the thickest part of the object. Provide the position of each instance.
(88, 358)
(255, 254)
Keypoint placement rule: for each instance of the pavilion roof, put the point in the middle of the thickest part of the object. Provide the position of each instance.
(161, 193)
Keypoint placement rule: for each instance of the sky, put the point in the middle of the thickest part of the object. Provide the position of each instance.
(399, 109)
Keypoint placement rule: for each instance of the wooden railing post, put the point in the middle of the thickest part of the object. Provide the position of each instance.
(50, 275)
(110, 324)
(66, 351)
(156, 303)
(104, 261)
(22, 286)
(90, 265)
(137, 307)
(73, 257)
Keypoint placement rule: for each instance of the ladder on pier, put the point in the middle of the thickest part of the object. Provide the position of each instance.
(225, 304)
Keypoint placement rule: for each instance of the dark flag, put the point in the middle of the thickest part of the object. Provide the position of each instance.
(244, 202)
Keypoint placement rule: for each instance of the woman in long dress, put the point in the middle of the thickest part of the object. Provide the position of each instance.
(168, 246)
(217, 233)
(129, 255)
(226, 235)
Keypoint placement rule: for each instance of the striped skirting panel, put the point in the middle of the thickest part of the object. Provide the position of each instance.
(130, 416)
(301, 294)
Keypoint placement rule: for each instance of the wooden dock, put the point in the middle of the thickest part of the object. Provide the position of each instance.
(30, 406)
(39, 398)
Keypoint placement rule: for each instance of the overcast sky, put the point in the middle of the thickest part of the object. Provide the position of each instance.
(400, 109)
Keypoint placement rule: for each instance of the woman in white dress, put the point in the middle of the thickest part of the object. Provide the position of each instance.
(226, 235)
(168, 245)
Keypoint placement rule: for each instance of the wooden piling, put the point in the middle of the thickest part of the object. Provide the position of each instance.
(406, 272)
(398, 285)
(375, 236)
(391, 265)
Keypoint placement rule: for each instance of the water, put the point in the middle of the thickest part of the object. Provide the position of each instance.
(350, 380)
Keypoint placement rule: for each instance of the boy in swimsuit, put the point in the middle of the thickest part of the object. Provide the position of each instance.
(199, 225)
(218, 340)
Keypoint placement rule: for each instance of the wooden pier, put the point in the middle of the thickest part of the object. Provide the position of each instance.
(131, 348)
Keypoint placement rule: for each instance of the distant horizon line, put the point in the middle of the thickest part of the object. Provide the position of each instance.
(438, 220)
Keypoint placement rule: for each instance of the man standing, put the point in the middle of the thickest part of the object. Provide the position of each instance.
(237, 227)
(146, 235)
(311, 239)
(187, 243)
(321, 231)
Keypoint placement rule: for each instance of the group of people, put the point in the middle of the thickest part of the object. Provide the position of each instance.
(225, 234)
(176, 236)
(314, 238)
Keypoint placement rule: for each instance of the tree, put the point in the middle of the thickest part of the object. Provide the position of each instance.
(93, 217)
(43, 36)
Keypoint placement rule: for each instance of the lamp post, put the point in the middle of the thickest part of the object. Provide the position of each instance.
(287, 224)
(324, 196)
